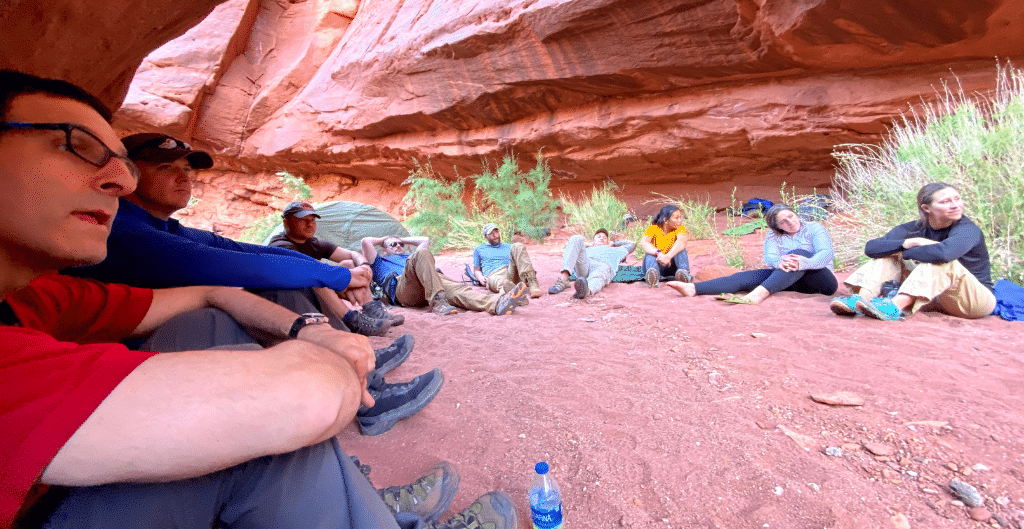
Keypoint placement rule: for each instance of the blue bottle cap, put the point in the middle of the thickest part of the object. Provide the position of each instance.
(541, 468)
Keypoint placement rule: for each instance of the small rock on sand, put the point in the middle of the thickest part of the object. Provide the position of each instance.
(967, 493)
(878, 449)
(980, 514)
(838, 398)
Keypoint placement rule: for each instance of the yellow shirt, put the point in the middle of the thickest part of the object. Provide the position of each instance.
(661, 240)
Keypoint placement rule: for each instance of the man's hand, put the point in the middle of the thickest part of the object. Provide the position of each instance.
(361, 277)
(354, 348)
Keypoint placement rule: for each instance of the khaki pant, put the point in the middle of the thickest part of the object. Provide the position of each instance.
(506, 277)
(420, 282)
(947, 287)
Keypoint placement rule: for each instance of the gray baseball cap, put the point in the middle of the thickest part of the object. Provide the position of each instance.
(489, 227)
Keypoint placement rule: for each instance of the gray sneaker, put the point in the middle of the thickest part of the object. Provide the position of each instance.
(428, 497)
(519, 296)
(652, 276)
(395, 402)
(393, 355)
(493, 510)
(684, 276)
(582, 289)
(559, 286)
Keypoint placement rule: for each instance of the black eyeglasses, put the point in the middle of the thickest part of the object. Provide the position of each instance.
(395, 244)
(79, 142)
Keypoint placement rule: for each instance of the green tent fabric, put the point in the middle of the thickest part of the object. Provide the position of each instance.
(744, 229)
(346, 223)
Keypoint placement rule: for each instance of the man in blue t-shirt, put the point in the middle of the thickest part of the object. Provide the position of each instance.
(499, 266)
(412, 280)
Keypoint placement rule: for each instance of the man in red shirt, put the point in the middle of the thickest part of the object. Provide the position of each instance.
(134, 439)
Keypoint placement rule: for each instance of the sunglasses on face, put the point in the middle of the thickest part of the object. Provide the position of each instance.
(80, 142)
(396, 244)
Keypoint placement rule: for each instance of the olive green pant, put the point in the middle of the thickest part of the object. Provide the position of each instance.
(506, 277)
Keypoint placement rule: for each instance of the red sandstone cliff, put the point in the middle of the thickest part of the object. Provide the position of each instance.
(670, 95)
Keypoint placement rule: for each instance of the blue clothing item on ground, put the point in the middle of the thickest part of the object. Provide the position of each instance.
(1009, 300)
(489, 258)
(812, 238)
(316, 486)
(681, 261)
(388, 264)
(963, 241)
(144, 251)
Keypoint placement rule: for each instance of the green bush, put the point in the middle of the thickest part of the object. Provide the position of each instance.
(601, 210)
(517, 202)
(972, 142)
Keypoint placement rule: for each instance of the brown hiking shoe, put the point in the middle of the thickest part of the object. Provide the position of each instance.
(493, 510)
(507, 302)
(440, 306)
(428, 497)
(531, 281)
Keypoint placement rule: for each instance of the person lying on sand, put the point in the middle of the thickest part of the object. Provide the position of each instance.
(800, 256)
(412, 280)
(664, 243)
(941, 259)
(594, 263)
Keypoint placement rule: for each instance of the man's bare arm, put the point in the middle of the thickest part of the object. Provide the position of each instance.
(341, 254)
(181, 415)
(369, 245)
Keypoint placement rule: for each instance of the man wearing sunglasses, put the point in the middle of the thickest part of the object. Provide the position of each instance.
(412, 280)
(149, 249)
(131, 439)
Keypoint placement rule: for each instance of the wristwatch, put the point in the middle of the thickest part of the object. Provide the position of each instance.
(309, 318)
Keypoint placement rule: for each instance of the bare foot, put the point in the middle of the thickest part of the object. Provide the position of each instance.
(686, 289)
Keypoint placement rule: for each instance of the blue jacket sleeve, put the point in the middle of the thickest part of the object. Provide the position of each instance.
(143, 256)
(477, 260)
(962, 238)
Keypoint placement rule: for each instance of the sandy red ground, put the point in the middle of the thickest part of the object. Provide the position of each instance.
(657, 411)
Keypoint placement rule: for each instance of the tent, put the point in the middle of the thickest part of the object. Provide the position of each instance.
(346, 223)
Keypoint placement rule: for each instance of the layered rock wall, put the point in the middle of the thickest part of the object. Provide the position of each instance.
(679, 96)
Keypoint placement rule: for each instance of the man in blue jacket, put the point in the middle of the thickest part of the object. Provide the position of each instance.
(149, 249)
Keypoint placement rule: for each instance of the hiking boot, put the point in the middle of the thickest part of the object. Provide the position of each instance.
(440, 306)
(393, 355)
(361, 323)
(559, 286)
(681, 275)
(880, 309)
(652, 276)
(531, 281)
(394, 402)
(507, 302)
(493, 510)
(428, 497)
(375, 309)
(845, 306)
(582, 289)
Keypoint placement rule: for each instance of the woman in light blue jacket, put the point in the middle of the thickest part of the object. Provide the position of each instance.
(800, 256)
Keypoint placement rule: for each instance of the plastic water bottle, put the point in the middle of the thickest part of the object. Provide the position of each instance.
(545, 499)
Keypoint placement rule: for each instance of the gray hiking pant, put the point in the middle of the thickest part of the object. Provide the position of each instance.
(595, 271)
(313, 487)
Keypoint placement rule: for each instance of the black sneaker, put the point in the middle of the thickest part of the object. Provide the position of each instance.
(428, 497)
(360, 323)
(493, 510)
(582, 289)
(398, 401)
(392, 356)
(375, 309)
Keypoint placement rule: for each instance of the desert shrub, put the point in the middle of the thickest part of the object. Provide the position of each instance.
(517, 202)
(970, 141)
(291, 186)
(602, 209)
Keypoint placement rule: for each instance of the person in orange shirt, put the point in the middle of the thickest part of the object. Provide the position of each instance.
(664, 243)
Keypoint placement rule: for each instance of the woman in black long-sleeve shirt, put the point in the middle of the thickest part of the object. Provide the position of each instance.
(941, 260)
